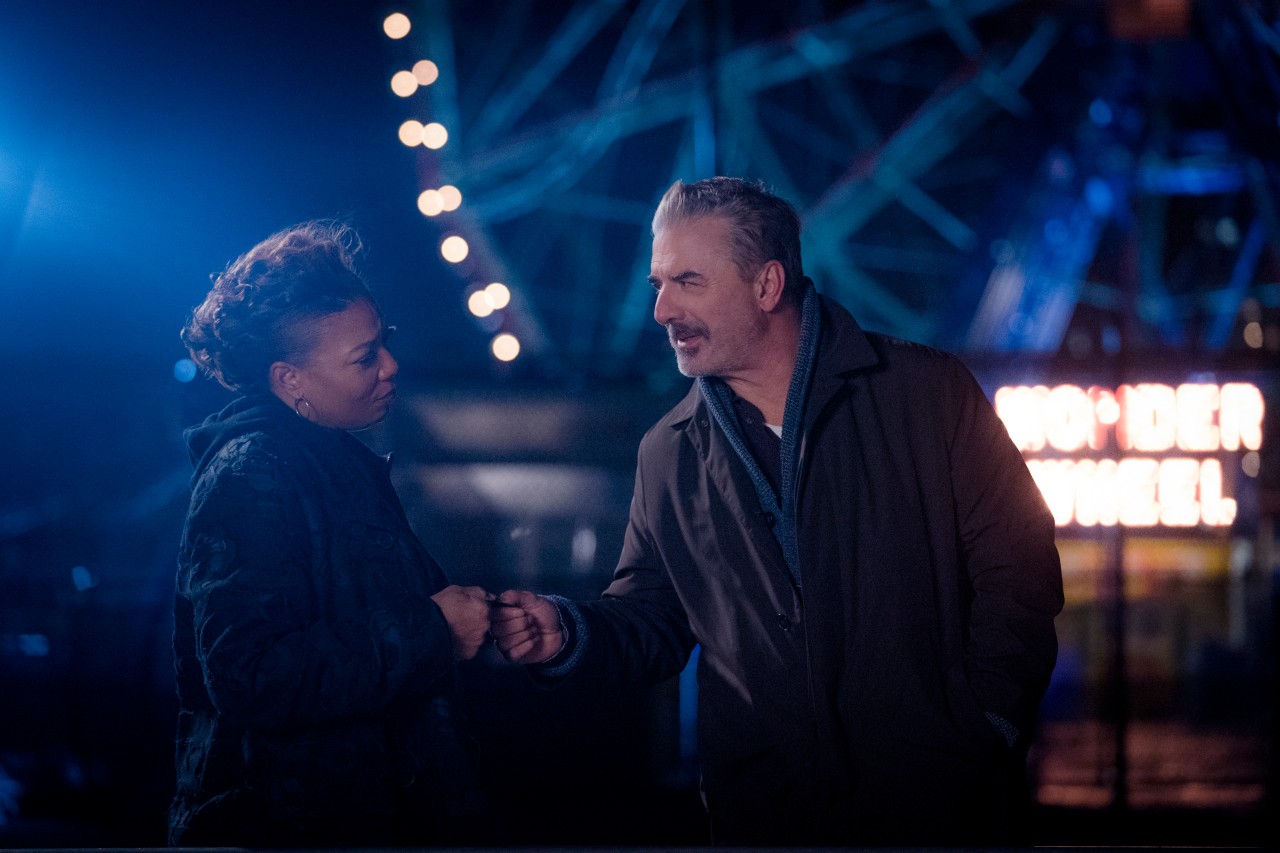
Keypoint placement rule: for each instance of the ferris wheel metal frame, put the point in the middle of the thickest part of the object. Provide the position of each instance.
(908, 133)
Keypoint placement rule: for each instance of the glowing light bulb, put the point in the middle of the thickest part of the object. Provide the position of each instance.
(454, 249)
(430, 203)
(396, 25)
(450, 197)
(411, 132)
(434, 135)
(403, 83)
(480, 304)
(1253, 336)
(425, 72)
(505, 347)
(498, 294)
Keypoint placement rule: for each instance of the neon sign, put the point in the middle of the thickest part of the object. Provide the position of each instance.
(1067, 430)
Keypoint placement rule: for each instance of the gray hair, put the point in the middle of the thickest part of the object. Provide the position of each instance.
(762, 226)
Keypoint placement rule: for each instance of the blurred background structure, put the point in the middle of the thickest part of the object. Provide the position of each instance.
(1080, 198)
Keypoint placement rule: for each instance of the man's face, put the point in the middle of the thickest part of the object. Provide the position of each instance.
(710, 312)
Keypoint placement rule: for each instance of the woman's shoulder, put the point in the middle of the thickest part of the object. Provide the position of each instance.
(258, 459)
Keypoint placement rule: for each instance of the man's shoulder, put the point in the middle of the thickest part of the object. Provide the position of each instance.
(907, 353)
(846, 348)
(895, 359)
(905, 370)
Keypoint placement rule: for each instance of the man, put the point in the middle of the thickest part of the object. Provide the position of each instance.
(841, 522)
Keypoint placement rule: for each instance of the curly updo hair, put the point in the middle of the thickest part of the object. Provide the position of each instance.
(261, 307)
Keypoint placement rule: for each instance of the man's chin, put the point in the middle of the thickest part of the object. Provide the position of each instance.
(688, 367)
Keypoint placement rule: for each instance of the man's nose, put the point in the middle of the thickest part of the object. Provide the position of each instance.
(664, 307)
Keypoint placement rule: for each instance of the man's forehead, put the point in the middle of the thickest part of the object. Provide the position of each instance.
(703, 223)
(706, 236)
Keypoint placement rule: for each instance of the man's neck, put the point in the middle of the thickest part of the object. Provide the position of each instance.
(766, 387)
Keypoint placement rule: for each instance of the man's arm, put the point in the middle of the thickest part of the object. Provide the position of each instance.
(636, 634)
(1006, 538)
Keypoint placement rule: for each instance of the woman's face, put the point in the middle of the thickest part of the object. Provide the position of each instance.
(348, 378)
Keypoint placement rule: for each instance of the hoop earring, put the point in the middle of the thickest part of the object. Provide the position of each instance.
(297, 407)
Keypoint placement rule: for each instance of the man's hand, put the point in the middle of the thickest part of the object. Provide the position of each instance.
(466, 609)
(526, 627)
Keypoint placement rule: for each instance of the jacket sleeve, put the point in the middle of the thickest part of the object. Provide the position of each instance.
(268, 658)
(1006, 541)
(637, 633)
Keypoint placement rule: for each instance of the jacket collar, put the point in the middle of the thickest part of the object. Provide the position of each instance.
(682, 413)
(843, 348)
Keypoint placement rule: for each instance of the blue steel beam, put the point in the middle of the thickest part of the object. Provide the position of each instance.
(579, 28)
(889, 175)
(511, 161)
(1032, 293)
(1237, 286)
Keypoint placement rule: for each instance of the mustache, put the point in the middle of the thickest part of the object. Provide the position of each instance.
(675, 331)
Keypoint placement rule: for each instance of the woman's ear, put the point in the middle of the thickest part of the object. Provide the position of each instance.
(284, 378)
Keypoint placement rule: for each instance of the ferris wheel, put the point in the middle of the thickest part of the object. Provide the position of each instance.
(922, 142)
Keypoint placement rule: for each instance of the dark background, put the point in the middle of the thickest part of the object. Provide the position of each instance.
(1125, 169)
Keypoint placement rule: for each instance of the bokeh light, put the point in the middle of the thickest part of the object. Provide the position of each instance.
(498, 294)
(82, 579)
(479, 304)
(454, 249)
(450, 197)
(396, 25)
(411, 133)
(1227, 232)
(1253, 336)
(403, 83)
(434, 135)
(184, 370)
(425, 72)
(505, 347)
(430, 203)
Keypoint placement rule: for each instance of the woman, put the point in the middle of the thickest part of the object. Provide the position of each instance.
(315, 637)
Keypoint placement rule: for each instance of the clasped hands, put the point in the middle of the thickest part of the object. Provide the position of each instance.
(525, 626)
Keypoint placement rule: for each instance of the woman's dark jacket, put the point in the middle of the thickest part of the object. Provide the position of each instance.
(316, 681)
(853, 709)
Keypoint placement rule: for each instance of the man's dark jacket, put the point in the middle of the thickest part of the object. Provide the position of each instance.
(315, 674)
(851, 710)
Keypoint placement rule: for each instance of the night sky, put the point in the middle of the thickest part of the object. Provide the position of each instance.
(144, 145)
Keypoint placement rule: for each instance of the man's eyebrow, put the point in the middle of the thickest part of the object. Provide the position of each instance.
(680, 276)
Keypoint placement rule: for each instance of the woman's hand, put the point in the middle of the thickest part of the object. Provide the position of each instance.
(466, 609)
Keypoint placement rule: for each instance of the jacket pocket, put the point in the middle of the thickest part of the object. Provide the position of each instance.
(970, 717)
